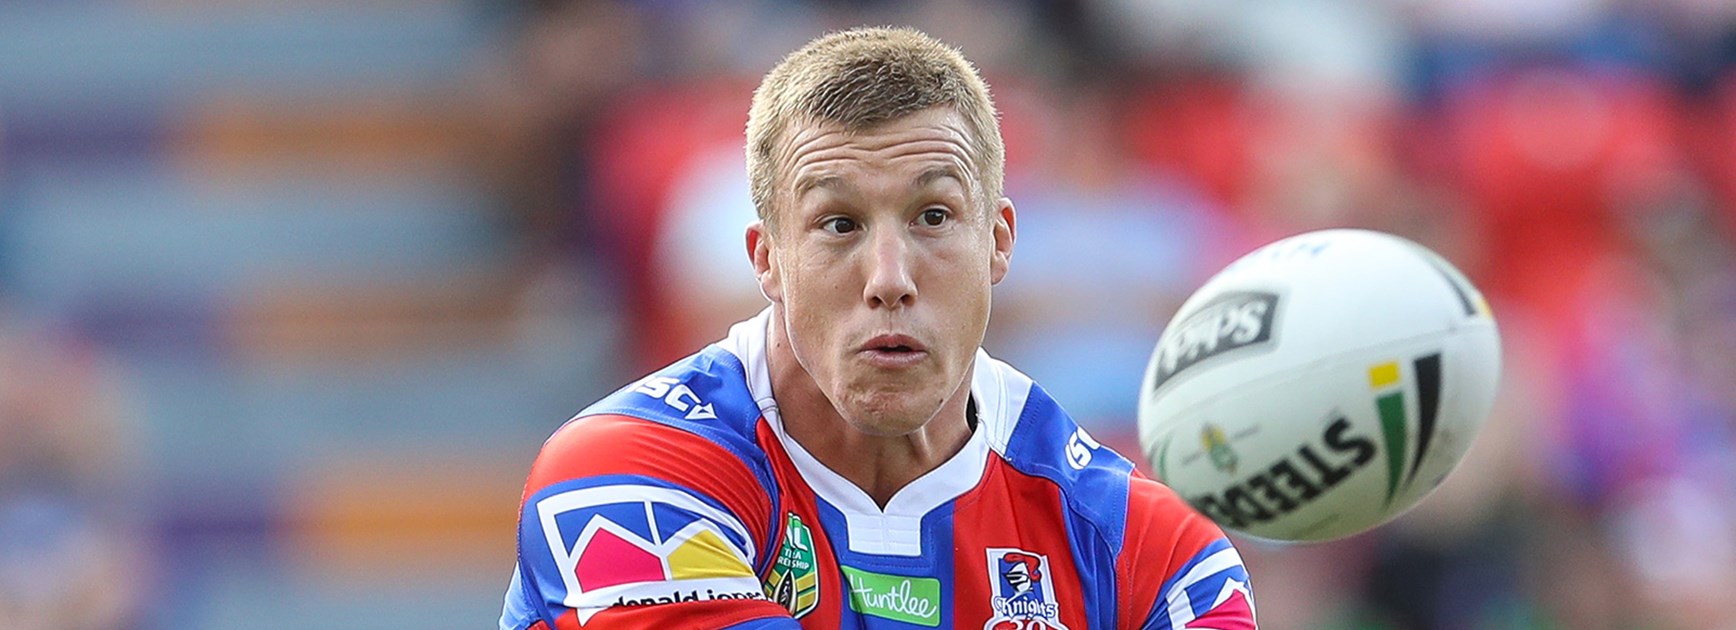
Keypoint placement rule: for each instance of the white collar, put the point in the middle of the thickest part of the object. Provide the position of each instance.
(1000, 393)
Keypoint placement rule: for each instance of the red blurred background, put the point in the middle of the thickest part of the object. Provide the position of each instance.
(290, 293)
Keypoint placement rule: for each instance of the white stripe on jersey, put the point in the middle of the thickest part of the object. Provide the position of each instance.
(1180, 604)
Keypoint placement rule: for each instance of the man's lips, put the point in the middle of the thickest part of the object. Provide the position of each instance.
(894, 343)
(893, 351)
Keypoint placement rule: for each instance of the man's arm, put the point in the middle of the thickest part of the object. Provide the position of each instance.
(1176, 569)
(627, 523)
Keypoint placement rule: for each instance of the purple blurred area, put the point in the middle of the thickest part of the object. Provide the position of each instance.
(291, 292)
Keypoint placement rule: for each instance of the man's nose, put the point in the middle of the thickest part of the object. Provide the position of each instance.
(890, 281)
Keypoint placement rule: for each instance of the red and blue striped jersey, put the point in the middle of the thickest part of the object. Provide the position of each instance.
(679, 502)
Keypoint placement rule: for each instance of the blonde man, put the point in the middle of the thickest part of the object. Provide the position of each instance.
(851, 458)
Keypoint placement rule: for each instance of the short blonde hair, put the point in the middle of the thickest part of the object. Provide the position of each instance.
(865, 77)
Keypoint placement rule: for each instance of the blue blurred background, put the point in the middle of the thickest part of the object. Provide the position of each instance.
(291, 292)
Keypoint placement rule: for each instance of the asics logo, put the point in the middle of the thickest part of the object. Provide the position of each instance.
(1080, 448)
(678, 396)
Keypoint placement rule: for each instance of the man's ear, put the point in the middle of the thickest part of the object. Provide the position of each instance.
(759, 252)
(1005, 232)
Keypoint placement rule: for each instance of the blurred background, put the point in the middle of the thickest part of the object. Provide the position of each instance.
(291, 292)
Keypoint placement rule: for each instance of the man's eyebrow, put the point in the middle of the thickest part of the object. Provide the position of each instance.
(935, 173)
(834, 182)
(806, 184)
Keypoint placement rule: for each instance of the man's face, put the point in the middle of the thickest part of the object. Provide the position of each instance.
(881, 261)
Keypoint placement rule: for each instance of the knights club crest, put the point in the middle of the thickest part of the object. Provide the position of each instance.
(1023, 591)
(794, 582)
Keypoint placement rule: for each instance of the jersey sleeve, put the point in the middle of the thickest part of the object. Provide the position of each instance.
(1177, 570)
(627, 523)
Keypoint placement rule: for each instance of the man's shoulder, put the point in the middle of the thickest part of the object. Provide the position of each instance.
(1095, 480)
(693, 415)
(706, 389)
(705, 395)
(1043, 440)
(659, 492)
(605, 442)
(1153, 509)
(620, 510)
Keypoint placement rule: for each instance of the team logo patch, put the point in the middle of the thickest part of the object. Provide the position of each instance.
(631, 545)
(795, 579)
(1024, 591)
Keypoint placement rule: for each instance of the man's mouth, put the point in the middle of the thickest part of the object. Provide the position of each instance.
(894, 350)
(894, 343)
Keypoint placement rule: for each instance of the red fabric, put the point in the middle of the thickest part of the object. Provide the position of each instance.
(1236, 613)
(1163, 534)
(1006, 494)
(613, 445)
(712, 614)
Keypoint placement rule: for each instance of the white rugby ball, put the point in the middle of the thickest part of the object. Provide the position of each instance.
(1320, 386)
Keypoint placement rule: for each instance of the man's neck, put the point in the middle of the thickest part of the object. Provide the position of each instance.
(879, 465)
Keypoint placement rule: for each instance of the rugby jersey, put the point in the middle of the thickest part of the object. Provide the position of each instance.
(679, 502)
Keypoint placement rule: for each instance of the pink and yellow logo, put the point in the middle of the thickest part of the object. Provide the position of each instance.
(640, 544)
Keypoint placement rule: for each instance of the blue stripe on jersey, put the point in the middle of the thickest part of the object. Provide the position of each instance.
(936, 562)
(519, 611)
(705, 394)
(1157, 619)
(1201, 591)
(1095, 489)
(939, 546)
(773, 623)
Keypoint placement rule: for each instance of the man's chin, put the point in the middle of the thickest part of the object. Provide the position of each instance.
(884, 429)
(889, 414)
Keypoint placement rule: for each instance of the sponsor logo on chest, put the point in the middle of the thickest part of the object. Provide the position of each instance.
(914, 600)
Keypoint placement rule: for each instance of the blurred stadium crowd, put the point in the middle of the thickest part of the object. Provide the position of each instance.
(290, 292)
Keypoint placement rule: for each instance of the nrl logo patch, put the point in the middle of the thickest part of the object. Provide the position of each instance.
(795, 578)
(1218, 447)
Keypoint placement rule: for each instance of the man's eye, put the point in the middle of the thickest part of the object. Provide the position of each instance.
(933, 217)
(839, 225)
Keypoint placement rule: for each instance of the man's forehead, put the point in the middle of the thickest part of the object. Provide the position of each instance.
(941, 120)
(816, 153)
(812, 179)
(944, 114)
